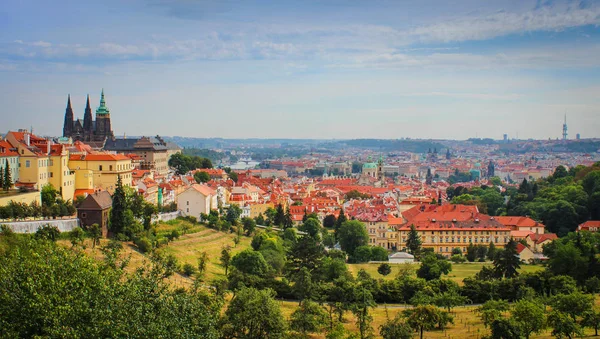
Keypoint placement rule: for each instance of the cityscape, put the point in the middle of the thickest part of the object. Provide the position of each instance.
(291, 175)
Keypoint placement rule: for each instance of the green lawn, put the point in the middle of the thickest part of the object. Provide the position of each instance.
(458, 273)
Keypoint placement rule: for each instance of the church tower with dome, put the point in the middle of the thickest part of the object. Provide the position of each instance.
(88, 130)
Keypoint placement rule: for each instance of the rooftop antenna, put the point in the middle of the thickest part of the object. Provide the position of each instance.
(564, 131)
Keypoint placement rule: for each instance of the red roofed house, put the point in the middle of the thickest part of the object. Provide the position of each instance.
(196, 200)
(525, 254)
(590, 225)
(536, 241)
(522, 224)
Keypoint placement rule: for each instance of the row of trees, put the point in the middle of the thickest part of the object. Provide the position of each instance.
(52, 206)
(183, 163)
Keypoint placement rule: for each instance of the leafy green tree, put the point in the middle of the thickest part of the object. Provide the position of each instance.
(449, 300)
(305, 252)
(413, 242)
(505, 329)
(491, 311)
(591, 318)
(254, 314)
(310, 317)
(560, 172)
(351, 235)
(379, 253)
(311, 226)
(396, 328)
(303, 287)
(47, 232)
(95, 232)
(250, 262)
(249, 225)
(563, 325)
(233, 214)
(507, 263)
(384, 269)
(433, 267)
(363, 301)
(279, 217)
(225, 258)
(529, 316)
(422, 318)
(288, 222)
(201, 177)
(233, 176)
(362, 254)
(260, 219)
(572, 304)
(49, 195)
(76, 236)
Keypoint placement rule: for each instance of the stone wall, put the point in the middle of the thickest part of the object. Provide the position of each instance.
(166, 216)
(63, 225)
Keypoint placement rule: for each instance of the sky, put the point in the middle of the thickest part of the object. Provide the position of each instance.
(326, 69)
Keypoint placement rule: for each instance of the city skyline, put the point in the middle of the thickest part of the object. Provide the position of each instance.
(317, 70)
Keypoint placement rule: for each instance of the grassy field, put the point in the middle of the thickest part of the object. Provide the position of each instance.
(458, 273)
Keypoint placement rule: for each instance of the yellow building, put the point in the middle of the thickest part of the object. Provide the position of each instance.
(100, 171)
(444, 236)
(26, 198)
(256, 209)
(41, 162)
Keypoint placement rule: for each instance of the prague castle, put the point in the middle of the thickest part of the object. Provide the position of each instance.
(88, 130)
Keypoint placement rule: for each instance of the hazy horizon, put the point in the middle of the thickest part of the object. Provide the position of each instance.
(306, 70)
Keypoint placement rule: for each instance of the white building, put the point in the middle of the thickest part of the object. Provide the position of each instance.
(197, 199)
(401, 258)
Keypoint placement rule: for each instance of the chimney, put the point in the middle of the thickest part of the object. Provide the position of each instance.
(27, 139)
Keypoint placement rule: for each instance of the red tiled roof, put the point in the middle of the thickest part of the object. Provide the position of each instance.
(98, 157)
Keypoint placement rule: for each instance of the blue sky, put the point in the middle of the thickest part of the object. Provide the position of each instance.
(305, 69)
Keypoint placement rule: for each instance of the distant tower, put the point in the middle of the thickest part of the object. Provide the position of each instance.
(491, 169)
(87, 118)
(578, 136)
(448, 154)
(68, 126)
(564, 135)
(505, 137)
(429, 177)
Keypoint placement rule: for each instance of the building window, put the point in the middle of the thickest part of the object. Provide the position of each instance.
(27, 163)
(110, 168)
(100, 167)
(83, 215)
(188, 203)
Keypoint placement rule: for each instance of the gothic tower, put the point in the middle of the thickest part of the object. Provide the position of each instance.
(87, 117)
(491, 169)
(68, 125)
(103, 128)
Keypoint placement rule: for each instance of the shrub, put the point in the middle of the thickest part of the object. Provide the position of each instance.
(143, 244)
(457, 259)
(189, 269)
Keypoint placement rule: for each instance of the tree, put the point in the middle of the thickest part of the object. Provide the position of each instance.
(233, 214)
(49, 194)
(7, 179)
(119, 206)
(260, 219)
(563, 325)
(201, 177)
(76, 236)
(379, 253)
(254, 314)
(279, 217)
(202, 262)
(362, 254)
(422, 318)
(491, 311)
(352, 234)
(591, 318)
(384, 269)
(433, 267)
(413, 242)
(507, 263)
(312, 227)
(303, 286)
(339, 222)
(47, 232)
(249, 225)
(529, 316)
(288, 222)
(250, 262)
(471, 252)
(95, 232)
(396, 329)
(233, 176)
(491, 252)
(560, 172)
(505, 329)
(308, 318)
(225, 258)
(363, 300)
(573, 304)
(329, 221)
(449, 299)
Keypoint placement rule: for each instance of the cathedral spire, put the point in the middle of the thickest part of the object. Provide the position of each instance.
(102, 109)
(87, 117)
(68, 124)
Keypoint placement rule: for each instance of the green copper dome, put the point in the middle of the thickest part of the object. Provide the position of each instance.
(102, 109)
(369, 165)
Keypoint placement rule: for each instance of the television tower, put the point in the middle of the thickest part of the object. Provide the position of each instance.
(564, 135)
